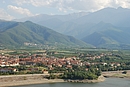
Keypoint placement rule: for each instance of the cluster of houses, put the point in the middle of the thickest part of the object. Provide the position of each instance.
(48, 62)
(9, 61)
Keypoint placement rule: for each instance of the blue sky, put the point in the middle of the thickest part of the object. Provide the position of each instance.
(15, 9)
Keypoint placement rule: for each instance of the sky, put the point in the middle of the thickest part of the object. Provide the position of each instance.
(16, 9)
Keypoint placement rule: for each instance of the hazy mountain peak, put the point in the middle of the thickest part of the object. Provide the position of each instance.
(121, 8)
(112, 25)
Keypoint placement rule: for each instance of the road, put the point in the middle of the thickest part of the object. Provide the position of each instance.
(23, 75)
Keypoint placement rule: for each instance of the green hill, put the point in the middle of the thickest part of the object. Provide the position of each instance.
(110, 38)
(17, 33)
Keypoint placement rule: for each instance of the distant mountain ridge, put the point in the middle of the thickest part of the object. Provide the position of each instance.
(118, 17)
(52, 21)
(114, 36)
(108, 27)
(43, 17)
(17, 33)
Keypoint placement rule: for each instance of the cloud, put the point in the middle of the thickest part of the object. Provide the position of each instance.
(20, 10)
(4, 15)
(123, 3)
(79, 5)
(34, 2)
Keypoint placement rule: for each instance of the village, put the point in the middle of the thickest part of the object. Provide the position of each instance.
(43, 62)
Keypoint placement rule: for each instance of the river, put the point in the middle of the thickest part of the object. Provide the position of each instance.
(109, 82)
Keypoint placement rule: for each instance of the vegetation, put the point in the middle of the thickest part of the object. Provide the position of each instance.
(76, 75)
(88, 63)
(18, 34)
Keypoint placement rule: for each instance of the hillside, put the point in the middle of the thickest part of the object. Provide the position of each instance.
(110, 38)
(17, 33)
(52, 21)
(118, 17)
(85, 25)
(108, 27)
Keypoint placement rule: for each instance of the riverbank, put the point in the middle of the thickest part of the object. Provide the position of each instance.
(16, 80)
(116, 74)
(29, 82)
(100, 79)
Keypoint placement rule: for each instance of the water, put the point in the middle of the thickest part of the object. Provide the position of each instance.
(109, 82)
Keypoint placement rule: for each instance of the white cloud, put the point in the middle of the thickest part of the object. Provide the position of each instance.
(34, 2)
(21, 2)
(4, 15)
(79, 5)
(20, 10)
(123, 3)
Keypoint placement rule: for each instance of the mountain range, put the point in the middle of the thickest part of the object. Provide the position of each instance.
(18, 33)
(108, 27)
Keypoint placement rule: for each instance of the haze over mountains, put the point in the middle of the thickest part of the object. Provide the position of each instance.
(18, 33)
(107, 27)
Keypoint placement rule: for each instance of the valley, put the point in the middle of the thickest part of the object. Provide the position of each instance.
(15, 62)
(54, 43)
